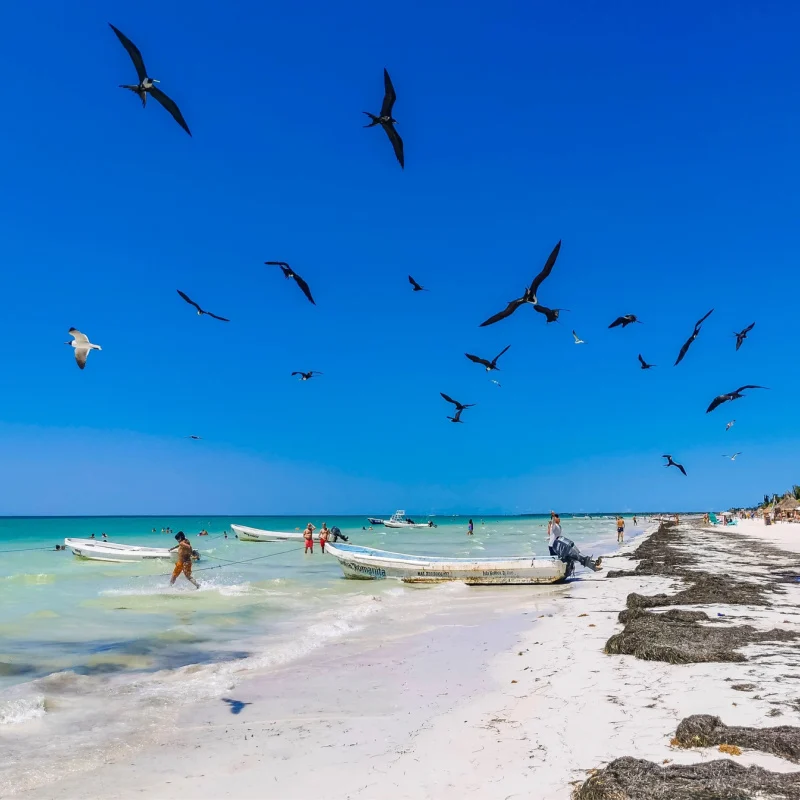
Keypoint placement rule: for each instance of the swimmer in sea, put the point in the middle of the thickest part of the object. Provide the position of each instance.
(184, 563)
(469, 528)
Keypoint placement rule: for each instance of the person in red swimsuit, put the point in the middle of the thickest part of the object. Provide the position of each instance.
(308, 536)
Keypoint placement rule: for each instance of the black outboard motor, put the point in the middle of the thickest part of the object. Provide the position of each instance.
(566, 551)
(336, 534)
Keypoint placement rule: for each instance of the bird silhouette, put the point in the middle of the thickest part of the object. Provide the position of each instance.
(459, 407)
(81, 345)
(457, 416)
(688, 343)
(192, 436)
(644, 364)
(628, 319)
(529, 295)
(577, 339)
(742, 335)
(288, 272)
(490, 365)
(733, 457)
(146, 85)
(200, 311)
(735, 395)
(551, 314)
(385, 119)
(236, 706)
(671, 463)
(417, 287)
(307, 376)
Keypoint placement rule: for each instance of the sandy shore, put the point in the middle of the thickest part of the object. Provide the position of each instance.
(500, 696)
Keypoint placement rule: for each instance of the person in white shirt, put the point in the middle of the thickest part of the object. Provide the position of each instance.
(553, 531)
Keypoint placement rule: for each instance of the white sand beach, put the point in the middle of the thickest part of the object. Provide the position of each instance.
(495, 697)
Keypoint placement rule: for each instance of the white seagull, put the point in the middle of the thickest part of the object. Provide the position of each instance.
(730, 424)
(496, 383)
(578, 340)
(80, 342)
(733, 457)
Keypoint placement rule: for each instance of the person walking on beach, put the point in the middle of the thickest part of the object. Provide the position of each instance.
(184, 563)
(553, 531)
(308, 536)
(470, 528)
(634, 522)
(620, 529)
(323, 536)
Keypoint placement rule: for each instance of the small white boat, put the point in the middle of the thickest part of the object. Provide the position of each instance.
(101, 550)
(246, 534)
(400, 520)
(366, 563)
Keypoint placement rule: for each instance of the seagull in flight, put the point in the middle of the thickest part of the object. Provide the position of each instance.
(730, 424)
(551, 314)
(496, 383)
(307, 376)
(578, 340)
(200, 311)
(147, 85)
(417, 287)
(288, 272)
(490, 365)
(459, 407)
(81, 344)
(733, 457)
(742, 335)
(735, 395)
(688, 343)
(385, 119)
(671, 463)
(644, 364)
(529, 295)
(628, 319)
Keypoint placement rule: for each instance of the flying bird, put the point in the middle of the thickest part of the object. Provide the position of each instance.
(733, 457)
(459, 406)
(735, 395)
(644, 364)
(490, 365)
(417, 287)
(730, 424)
(688, 343)
(288, 272)
(496, 383)
(192, 436)
(81, 344)
(551, 314)
(628, 319)
(385, 119)
(200, 311)
(671, 463)
(307, 376)
(529, 295)
(577, 339)
(742, 335)
(147, 85)
(457, 417)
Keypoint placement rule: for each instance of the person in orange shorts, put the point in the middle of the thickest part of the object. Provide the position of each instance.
(184, 563)
(324, 533)
(308, 536)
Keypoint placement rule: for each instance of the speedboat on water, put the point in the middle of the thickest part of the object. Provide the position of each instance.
(367, 563)
(101, 550)
(373, 521)
(400, 520)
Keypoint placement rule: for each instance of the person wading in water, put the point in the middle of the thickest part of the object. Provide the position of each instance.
(184, 563)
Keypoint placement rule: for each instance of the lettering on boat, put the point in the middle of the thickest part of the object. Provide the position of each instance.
(428, 573)
(375, 572)
(499, 573)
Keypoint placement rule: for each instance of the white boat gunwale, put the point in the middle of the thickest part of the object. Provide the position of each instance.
(103, 550)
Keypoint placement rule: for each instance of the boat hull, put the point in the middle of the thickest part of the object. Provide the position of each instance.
(363, 563)
(390, 524)
(246, 534)
(98, 550)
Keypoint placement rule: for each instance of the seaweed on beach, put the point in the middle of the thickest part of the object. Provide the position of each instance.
(703, 730)
(676, 637)
(706, 587)
(636, 779)
(657, 555)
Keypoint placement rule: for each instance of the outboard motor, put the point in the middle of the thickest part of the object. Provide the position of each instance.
(336, 534)
(567, 552)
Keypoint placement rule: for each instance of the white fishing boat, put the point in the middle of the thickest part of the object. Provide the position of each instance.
(246, 534)
(366, 563)
(101, 550)
(400, 520)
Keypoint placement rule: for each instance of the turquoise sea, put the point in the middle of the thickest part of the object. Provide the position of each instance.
(98, 652)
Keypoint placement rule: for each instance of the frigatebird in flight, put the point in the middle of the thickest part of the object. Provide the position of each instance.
(551, 314)
(307, 376)
(200, 311)
(457, 417)
(459, 407)
(742, 335)
(529, 295)
(628, 319)
(147, 85)
(644, 364)
(417, 287)
(288, 272)
(490, 365)
(385, 119)
(688, 343)
(192, 436)
(735, 395)
(671, 463)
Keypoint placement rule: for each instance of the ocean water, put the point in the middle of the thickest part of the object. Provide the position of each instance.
(98, 655)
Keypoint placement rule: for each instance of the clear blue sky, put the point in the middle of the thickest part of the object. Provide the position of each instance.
(659, 143)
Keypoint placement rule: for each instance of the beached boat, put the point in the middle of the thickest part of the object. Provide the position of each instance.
(367, 563)
(100, 550)
(400, 520)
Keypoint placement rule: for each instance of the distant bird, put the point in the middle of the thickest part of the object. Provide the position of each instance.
(385, 119)
(307, 376)
(459, 407)
(81, 344)
(742, 335)
(577, 340)
(628, 319)
(146, 85)
(200, 311)
(644, 364)
(496, 383)
(688, 343)
(236, 706)
(529, 295)
(490, 365)
(735, 395)
(457, 417)
(733, 457)
(730, 424)
(551, 314)
(192, 436)
(288, 272)
(417, 287)
(671, 463)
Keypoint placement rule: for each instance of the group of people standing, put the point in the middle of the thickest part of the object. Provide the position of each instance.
(325, 535)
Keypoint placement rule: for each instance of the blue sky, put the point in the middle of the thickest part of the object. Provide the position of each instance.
(658, 144)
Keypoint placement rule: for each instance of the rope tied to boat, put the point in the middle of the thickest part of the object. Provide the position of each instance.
(29, 550)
